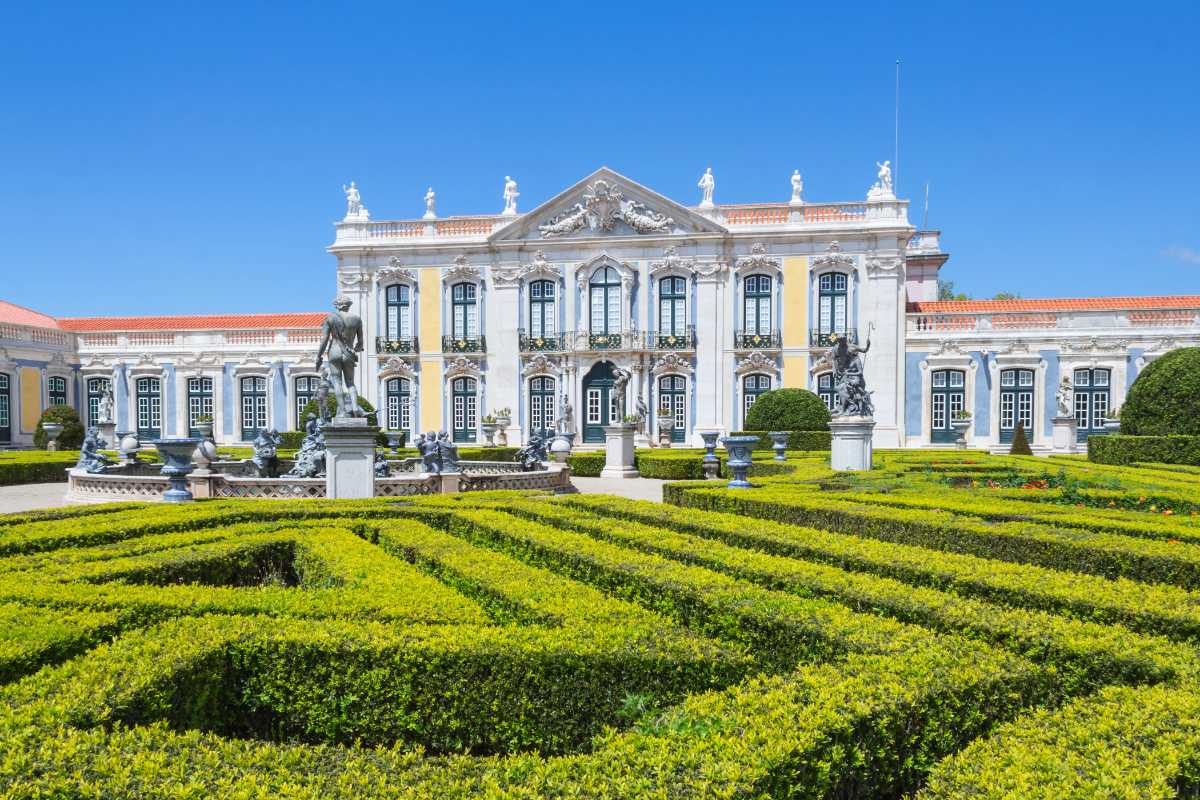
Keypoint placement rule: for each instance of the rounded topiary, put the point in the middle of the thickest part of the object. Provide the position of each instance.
(331, 403)
(1165, 398)
(788, 410)
(72, 433)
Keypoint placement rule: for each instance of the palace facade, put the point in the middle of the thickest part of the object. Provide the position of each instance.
(706, 306)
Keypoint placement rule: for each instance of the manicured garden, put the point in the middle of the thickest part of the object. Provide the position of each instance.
(949, 625)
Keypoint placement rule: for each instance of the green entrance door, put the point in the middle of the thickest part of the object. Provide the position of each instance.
(1016, 403)
(672, 399)
(947, 395)
(598, 408)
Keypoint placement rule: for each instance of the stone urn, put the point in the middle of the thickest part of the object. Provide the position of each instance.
(127, 444)
(1112, 426)
(666, 424)
(560, 448)
(489, 432)
(739, 449)
(779, 441)
(206, 450)
(394, 438)
(177, 465)
(503, 422)
(710, 463)
(961, 425)
(53, 431)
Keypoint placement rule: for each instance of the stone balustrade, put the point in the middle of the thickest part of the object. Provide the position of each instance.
(1050, 321)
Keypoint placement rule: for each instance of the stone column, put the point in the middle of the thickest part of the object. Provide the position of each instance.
(882, 304)
(710, 347)
(504, 359)
(349, 458)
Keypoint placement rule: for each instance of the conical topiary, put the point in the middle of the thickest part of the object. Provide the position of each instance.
(1020, 445)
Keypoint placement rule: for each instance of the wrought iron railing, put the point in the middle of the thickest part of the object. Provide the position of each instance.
(544, 343)
(818, 338)
(405, 344)
(605, 341)
(463, 344)
(745, 340)
(671, 340)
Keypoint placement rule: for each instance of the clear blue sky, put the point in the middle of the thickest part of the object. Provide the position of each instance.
(189, 159)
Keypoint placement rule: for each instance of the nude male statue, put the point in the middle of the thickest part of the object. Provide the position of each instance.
(341, 342)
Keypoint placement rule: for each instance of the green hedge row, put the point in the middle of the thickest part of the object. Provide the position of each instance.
(35, 466)
(1122, 450)
(669, 465)
(1095, 553)
(797, 440)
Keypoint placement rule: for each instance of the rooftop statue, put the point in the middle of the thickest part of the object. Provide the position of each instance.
(797, 187)
(510, 196)
(354, 206)
(430, 200)
(885, 175)
(341, 342)
(707, 184)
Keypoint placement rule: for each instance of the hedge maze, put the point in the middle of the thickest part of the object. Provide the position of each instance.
(936, 629)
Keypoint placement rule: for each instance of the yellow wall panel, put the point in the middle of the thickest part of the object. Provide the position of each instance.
(795, 302)
(795, 372)
(430, 289)
(431, 393)
(31, 398)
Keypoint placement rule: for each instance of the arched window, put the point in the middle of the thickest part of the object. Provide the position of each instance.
(756, 305)
(399, 313)
(672, 402)
(200, 401)
(541, 404)
(305, 391)
(752, 387)
(832, 306)
(604, 292)
(1016, 402)
(541, 309)
(56, 390)
(948, 395)
(254, 406)
(399, 404)
(5, 410)
(672, 307)
(465, 399)
(148, 392)
(825, 388)
(1091, 401)
(465, 320)
(96, 388)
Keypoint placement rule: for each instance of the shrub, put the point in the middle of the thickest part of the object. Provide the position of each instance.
(27, 466)
(72, 433)
(1121, 449)
(671, 465)
(586, 465)
(788, 410)
(1020, 445)
(1165, 398)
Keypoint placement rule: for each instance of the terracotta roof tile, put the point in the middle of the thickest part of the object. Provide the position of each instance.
(1054, 304)
(196, 322)
(19, 315)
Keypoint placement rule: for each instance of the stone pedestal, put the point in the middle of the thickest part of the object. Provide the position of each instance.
(851, 443)
(349, 458)
(618, 452)
(1065, 431)
(108, 432)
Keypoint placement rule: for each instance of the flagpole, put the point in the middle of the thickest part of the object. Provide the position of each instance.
(896, 155)
(925, 219)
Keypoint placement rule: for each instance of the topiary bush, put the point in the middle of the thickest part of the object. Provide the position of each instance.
(1020, 444)
(72, 434)
(788, 410)
(1165, 398)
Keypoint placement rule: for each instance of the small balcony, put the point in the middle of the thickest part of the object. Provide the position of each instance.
(585, 341)
(545, 343)
(464, 344)
(745, 340)
(404, 345)
(818, 338)
(671, 340)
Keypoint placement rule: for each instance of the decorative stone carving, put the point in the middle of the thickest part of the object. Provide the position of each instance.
(882, 188)
(1064, 397)
(355, 210)
(462, 271)
(430, 201)
(90, 457)
(709, 270)
(1094, 344)
(395, 272)
(353, 281)
(341, 342)
(438, 454)
(510, 197)
(603, 206)
(541, 364)
(948, 347)
(266, 453)
(620, 383)
(757, 260)
(672, 262)
(584, 271)
(671, 362)
(832, 257)
(756, 362)
(533, 454)
(884, 265)
(309, 461)
(797, 188)
(707, 185)
(505, 276)
(852, 399)
(540, 268)
(462, 366)
(396, 367)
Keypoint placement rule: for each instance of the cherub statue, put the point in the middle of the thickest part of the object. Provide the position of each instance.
(266, 453)
(1065, 397)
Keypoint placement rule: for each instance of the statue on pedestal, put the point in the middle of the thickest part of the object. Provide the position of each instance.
(447, 453)
(341, 342)
(430, 199)
(510, 196)
(310, 458)
(104, 410)
(354, 206)
(851, 399)
(266, 453)
(797, 188)
(1065, 397)
(566, 416)
(90, 457)
(533, 453)
(885, 176)
(707, 184)
(620, 382)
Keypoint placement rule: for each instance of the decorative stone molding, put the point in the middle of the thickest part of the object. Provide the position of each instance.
(583, 272)
(7, 362)
(672, 262)
(889, 266)
(541, 364)
(833, 258)
(462, 366)
(462, 271)
(198, 360)
(756, 362)
(396, 367)
(710, 270)
(948, 347)
(540, 269)
(353, 281)
(603, 206)
(394, 273)
(505, 276)
(671, 363)
(758, 261)
(1093, 345)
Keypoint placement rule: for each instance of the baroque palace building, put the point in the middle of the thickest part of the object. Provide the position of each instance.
(705, 306)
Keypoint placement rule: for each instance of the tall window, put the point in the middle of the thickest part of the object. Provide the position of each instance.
(465, 399)
(756, 305)
(604, 292)
(752, 387)
(672, 314)
(399, 404)
(399, 312)
(200, 402)
(672, 400)
(254, 406)
(825, 388)
(148, 392)
(831, 289)
(541, 309)
(56, 388)
(541, 404)
(1016, 402)
(305, 392)
(1091, 401)
(948, 395)
(96, 388)
(466, 311)
(5, 410)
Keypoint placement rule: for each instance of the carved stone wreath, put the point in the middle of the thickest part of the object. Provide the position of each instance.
(756, 362)
(672, 262)
(757, 260)
(671, 362)
(395, 272)
(603, 206)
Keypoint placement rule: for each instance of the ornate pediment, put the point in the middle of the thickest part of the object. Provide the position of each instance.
(756, 362)
(671, 362)
(462, 271)
(757, 261)
(833, 257)
(672, 262)
(352, 281)
(606, 204)
(541, 364)
(395, 272)
(196, 360)
(461, 366)
(396, 367)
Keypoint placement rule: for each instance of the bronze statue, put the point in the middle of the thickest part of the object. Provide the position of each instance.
(341, 342)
